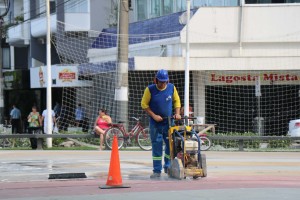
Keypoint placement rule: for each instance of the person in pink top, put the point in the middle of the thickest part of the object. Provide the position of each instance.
(102, 123)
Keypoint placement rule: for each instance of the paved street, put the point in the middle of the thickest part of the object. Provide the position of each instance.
(231, 175)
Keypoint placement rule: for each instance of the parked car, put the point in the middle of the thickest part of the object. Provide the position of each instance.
(294, 128)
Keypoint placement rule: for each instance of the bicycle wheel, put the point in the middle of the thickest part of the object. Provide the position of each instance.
(109, 136)
(5, 143)
(205, 143)
(144, 140)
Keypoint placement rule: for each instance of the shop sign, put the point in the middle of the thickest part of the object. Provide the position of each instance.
(265, 77)
(62, 76)
(67, 75)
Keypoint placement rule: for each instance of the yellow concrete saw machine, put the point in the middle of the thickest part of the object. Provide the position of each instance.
(186, 157)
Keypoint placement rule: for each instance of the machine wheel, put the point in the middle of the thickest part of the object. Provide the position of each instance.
(176, 169)
(109, 136)
(203, 165)
(205, 143)
(144, 140)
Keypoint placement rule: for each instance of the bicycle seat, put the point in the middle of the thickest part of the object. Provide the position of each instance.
(121, 122)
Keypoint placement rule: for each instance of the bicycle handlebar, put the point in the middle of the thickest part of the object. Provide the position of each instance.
(182, 118)
(135, 118)
(185, 118)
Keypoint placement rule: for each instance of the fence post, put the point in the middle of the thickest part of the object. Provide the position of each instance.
(241, 145)
(40, 143)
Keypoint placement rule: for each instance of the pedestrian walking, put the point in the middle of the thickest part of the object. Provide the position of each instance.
(15, 116)
(34, 120)
(45, 120)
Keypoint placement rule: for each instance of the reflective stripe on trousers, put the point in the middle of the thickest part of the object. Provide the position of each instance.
(159, 133)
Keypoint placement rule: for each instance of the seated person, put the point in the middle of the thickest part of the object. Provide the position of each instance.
(102, 123)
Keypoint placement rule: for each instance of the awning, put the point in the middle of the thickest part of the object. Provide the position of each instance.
(86, 69)
(158, 28)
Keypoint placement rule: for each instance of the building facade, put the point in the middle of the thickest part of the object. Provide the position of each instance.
(232, 43)
(24, 48)
(231, 47)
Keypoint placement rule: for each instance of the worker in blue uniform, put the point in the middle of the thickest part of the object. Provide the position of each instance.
(158, 101)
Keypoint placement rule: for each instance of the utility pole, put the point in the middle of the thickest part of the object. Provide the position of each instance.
(1, 76)
(121, 90)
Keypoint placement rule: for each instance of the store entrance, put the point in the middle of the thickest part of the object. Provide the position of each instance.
(235, 108)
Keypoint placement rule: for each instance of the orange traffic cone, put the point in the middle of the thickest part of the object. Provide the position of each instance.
(114, 179)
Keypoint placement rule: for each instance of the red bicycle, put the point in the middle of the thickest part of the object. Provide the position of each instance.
(138, 132)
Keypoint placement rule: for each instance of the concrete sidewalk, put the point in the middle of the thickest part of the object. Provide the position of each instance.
(209, 189)
(231, 175)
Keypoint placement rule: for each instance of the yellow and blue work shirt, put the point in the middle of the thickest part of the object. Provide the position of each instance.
(161, 101)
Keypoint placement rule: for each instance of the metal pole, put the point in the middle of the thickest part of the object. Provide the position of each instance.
(242, 2)
(121, 91)
(258, 94)
(1, 80)
(1, 65)
(259, 120)
(187, 62)
(49, 78)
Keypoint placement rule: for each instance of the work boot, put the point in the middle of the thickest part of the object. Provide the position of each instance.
(155, 175)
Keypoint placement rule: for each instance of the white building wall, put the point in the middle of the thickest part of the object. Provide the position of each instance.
(218, 41)
(157, 48)
(259, 24)
(250, 31)
(251, 38)
(225, 38)
(272, 23)
(214, 25)
(99, 14)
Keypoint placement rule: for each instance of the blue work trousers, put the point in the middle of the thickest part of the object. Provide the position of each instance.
(159, 133)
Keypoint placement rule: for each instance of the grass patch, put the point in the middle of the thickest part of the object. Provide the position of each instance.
(15, 148)
(53, 148)
(71, 148)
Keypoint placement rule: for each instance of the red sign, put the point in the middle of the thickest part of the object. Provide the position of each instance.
(250, 77)
(67, 75)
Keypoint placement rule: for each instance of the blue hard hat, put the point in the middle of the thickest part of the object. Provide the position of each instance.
(162, 75)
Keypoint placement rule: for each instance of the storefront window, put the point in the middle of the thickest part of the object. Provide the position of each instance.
(155, 9)
(180, 5)
(40, 8)
(40, 5)
(161, 7)
(167, 6)
(6, 58)
(201, 3)
(270, 1)
(146, 9)
(141, 7)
